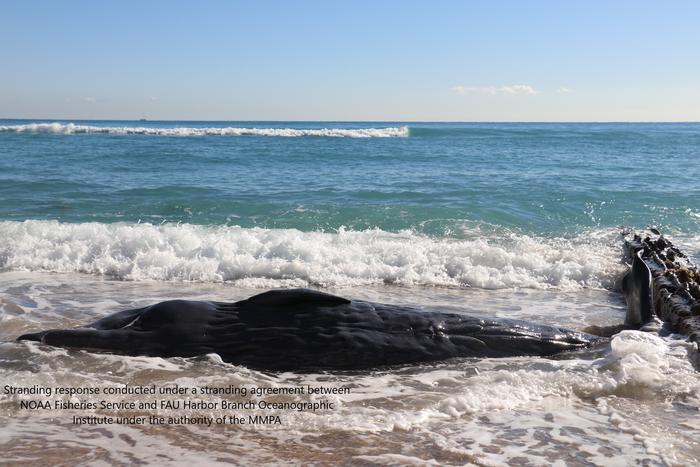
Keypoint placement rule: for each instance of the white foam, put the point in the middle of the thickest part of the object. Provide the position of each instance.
(639, 367)
(257, 257)
(72, 128)
(395, 459)
(646, 365)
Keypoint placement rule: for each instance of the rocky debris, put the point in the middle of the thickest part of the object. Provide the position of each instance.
(675, 281)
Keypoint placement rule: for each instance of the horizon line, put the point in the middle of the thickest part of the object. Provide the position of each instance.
(341, 121)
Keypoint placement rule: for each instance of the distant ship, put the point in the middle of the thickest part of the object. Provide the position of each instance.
(142, 120)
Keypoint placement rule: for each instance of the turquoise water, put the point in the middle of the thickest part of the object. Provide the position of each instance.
(547, 179)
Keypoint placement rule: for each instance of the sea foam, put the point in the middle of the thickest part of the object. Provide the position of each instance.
(258, 257)
(72, 128)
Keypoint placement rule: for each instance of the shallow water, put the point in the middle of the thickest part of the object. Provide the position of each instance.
(635, 400)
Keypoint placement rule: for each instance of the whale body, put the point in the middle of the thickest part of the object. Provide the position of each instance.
(303, 330)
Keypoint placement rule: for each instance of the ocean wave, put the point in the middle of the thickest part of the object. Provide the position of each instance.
(257, 257)
(72, 128)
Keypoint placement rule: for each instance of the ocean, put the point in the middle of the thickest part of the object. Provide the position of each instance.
(516, 220)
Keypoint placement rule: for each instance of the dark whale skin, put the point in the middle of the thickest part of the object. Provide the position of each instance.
(304, 330)
(637, 288)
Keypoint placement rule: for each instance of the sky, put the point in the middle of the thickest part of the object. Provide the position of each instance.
(377, 60)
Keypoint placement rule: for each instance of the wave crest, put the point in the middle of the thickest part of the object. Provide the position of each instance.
(72, 128)
(257, 257)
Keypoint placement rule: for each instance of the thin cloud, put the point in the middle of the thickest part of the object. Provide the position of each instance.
(563, 90)
(517, 89)
(496, 90)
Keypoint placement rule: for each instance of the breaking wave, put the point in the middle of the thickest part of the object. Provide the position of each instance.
(72, 128)
(257, 257)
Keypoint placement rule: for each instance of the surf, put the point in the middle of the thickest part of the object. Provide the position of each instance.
(264, 258)
(77, 129)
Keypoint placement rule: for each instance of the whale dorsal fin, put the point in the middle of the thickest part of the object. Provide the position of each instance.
(291, 297)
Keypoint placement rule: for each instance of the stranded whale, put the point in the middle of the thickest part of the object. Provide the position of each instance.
(301, 329)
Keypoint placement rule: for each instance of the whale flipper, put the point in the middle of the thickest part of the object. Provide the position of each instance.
(117, 320)
(295, 297)
(85, 338)
(92, 332)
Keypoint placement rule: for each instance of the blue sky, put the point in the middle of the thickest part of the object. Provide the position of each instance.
(355, 60)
